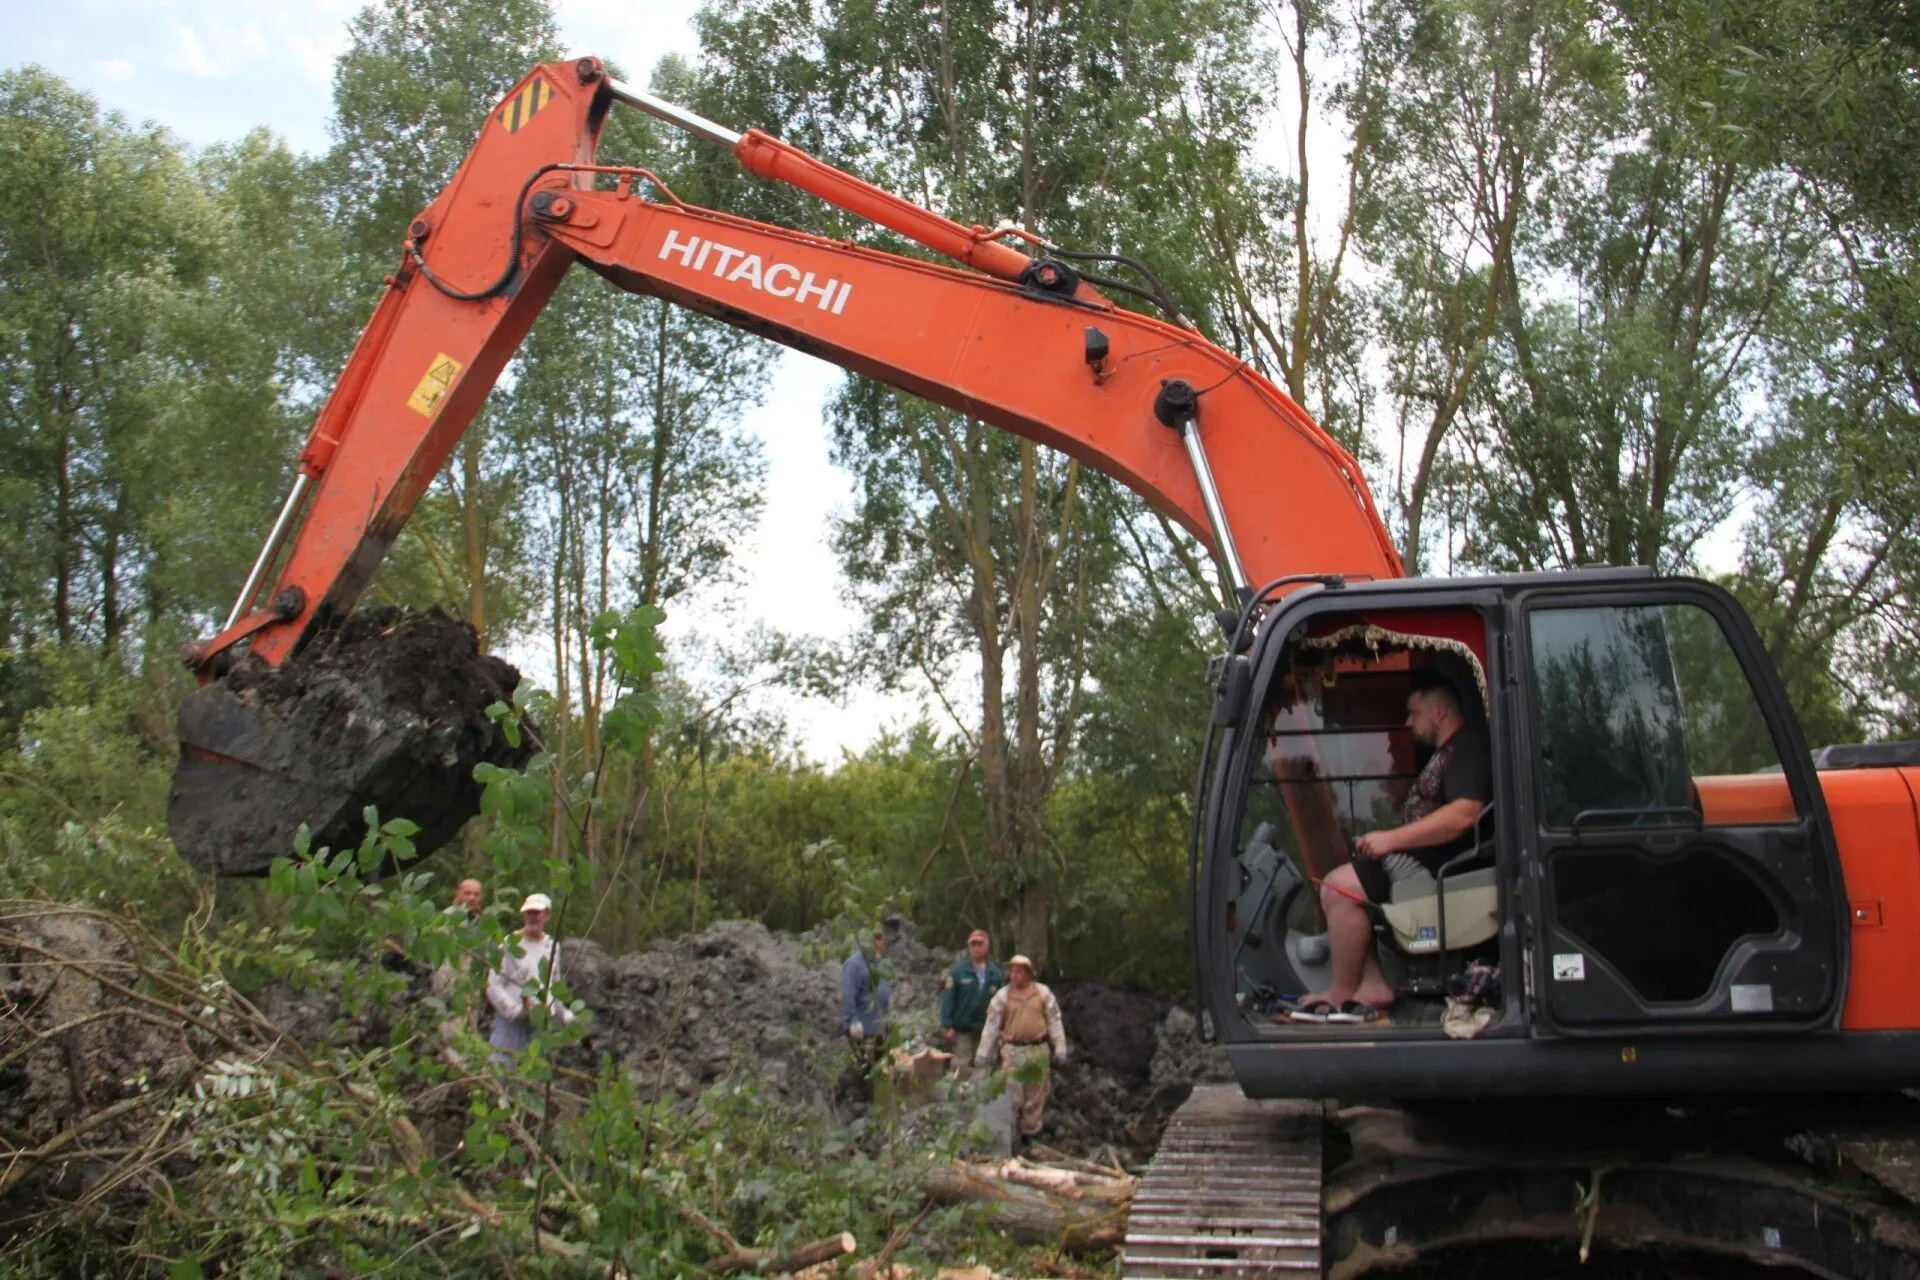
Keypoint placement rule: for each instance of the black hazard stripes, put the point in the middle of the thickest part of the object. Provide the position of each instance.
(524, 104)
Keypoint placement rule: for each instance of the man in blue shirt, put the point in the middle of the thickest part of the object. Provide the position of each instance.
(863, 1000)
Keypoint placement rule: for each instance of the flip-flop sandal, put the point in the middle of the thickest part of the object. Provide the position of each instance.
(1354, 1011)
(1313, 1011)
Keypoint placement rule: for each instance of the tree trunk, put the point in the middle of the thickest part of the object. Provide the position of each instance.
(111, 621)
(771, 1263)
(1030, 918)
(1079, 1226)
(62, 540)
(472, 534)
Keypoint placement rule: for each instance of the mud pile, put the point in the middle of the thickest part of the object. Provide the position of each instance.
(72, 1046)
(732, 1002)
(739, 1001)
(388, 710)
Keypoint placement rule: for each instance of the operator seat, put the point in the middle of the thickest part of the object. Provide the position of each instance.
(1423, 922)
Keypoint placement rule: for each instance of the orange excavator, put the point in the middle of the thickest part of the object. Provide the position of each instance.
(1666, 897)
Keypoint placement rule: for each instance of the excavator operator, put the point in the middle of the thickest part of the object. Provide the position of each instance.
(1437, 816)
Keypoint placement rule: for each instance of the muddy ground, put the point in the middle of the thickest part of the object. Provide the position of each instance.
(732, 1002)
(738, 1000)
(388, 710)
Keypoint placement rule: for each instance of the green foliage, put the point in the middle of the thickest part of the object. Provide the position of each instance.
(83, 784)
(293, 1157)
(128, 361)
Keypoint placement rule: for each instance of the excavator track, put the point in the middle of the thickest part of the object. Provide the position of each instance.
(1765, 1186)
(1233, 1191)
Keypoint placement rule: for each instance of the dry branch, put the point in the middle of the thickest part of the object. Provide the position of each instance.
(24, 1162)
(807, 1255)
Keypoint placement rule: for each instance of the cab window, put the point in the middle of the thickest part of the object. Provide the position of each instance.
(1644, 709)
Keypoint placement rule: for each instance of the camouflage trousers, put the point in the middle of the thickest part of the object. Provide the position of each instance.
(1029, 1069)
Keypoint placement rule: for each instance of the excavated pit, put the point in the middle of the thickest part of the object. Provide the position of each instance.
(387, 710)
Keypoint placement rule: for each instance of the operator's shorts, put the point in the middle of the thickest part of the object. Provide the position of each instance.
(1377, 876)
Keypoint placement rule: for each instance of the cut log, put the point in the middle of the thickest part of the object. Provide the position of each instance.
(772, 1262)
(1070, 1184)
(1030, 1215)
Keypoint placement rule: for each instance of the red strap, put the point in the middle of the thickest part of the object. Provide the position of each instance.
(1352, 895)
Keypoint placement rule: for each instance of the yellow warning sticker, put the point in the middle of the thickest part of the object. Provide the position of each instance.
(434, 383)
(525, 104)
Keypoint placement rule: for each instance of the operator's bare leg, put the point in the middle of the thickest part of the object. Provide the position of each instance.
(1356, 969)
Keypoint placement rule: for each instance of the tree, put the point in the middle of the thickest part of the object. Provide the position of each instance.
(626, 419)
(1285, 279)
(1615, 428)
(965, 541)
(139, 404)
(1492, 102)
(410, 94)
(1824, 97)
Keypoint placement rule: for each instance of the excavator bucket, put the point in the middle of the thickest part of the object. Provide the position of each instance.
(387, 711)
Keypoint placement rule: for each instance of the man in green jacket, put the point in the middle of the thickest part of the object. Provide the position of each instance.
(971, 984)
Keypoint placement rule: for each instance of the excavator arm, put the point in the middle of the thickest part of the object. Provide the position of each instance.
(1017, 341)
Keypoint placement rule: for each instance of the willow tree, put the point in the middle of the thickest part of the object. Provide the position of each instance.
(625, 421)
(138, 401)
(1490, 103)
(983, 562)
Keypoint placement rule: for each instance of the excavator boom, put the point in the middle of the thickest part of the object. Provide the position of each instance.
(1014, 340)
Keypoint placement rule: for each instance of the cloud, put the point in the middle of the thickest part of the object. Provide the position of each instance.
(205, 39)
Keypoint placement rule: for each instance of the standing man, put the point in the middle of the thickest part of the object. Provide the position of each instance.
(530, 961)
(1023, 1023)
(468, 898)
(863, 999)
(971, 984)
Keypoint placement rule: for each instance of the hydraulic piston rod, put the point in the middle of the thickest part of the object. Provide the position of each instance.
(270, 550)
(1178, 407)
(679, 117)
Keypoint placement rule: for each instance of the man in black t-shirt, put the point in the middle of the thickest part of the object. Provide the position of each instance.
(1437, 823)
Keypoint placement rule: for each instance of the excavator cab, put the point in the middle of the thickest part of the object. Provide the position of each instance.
(1655, 862)
(1336, 760)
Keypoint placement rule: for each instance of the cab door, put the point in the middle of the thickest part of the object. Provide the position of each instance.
(1682, 873)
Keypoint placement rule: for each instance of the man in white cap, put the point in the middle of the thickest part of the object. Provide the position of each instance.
(531, 959)
(1023, 1024)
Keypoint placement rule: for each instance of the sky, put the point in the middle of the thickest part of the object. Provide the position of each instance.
(211, 70)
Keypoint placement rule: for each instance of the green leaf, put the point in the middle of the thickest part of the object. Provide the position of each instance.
(508, 718)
